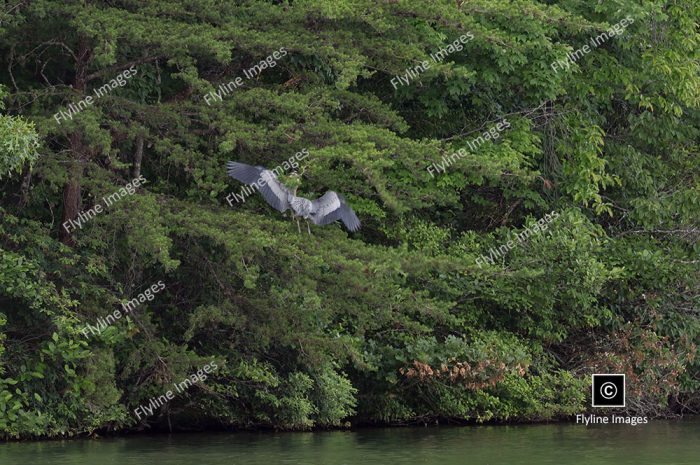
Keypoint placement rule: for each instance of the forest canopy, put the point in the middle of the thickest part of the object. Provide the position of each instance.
(526, 173)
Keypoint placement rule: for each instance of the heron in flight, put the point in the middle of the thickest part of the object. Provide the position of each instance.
(328, 208)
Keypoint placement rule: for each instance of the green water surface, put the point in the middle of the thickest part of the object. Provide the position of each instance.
(659, 442)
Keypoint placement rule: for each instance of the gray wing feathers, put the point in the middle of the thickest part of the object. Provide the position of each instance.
(332, 207)
(273, 191)
(247, 174)
(325, 204)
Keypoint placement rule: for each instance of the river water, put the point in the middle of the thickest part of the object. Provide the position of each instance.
(659, 442)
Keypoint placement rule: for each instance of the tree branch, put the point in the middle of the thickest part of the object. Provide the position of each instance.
(113, 68)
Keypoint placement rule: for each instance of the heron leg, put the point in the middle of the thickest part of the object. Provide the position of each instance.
(308, 228)
(298, 227)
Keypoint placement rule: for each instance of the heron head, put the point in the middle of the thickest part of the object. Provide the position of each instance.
(298, 174)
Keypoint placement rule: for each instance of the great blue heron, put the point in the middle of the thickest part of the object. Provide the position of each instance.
(328, 208)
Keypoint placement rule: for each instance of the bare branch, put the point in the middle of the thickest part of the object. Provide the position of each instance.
(113, 68)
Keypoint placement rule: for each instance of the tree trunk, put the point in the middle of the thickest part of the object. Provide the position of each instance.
(24, 187)
(78, 151)
(138, 156)
(71, 203)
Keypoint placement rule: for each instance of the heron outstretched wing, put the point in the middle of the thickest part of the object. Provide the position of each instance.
(331, 207)
(272, 190)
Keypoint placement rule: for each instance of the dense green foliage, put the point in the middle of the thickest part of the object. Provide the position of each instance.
(396, 323)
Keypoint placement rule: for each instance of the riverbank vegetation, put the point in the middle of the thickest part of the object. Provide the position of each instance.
(437, 309)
